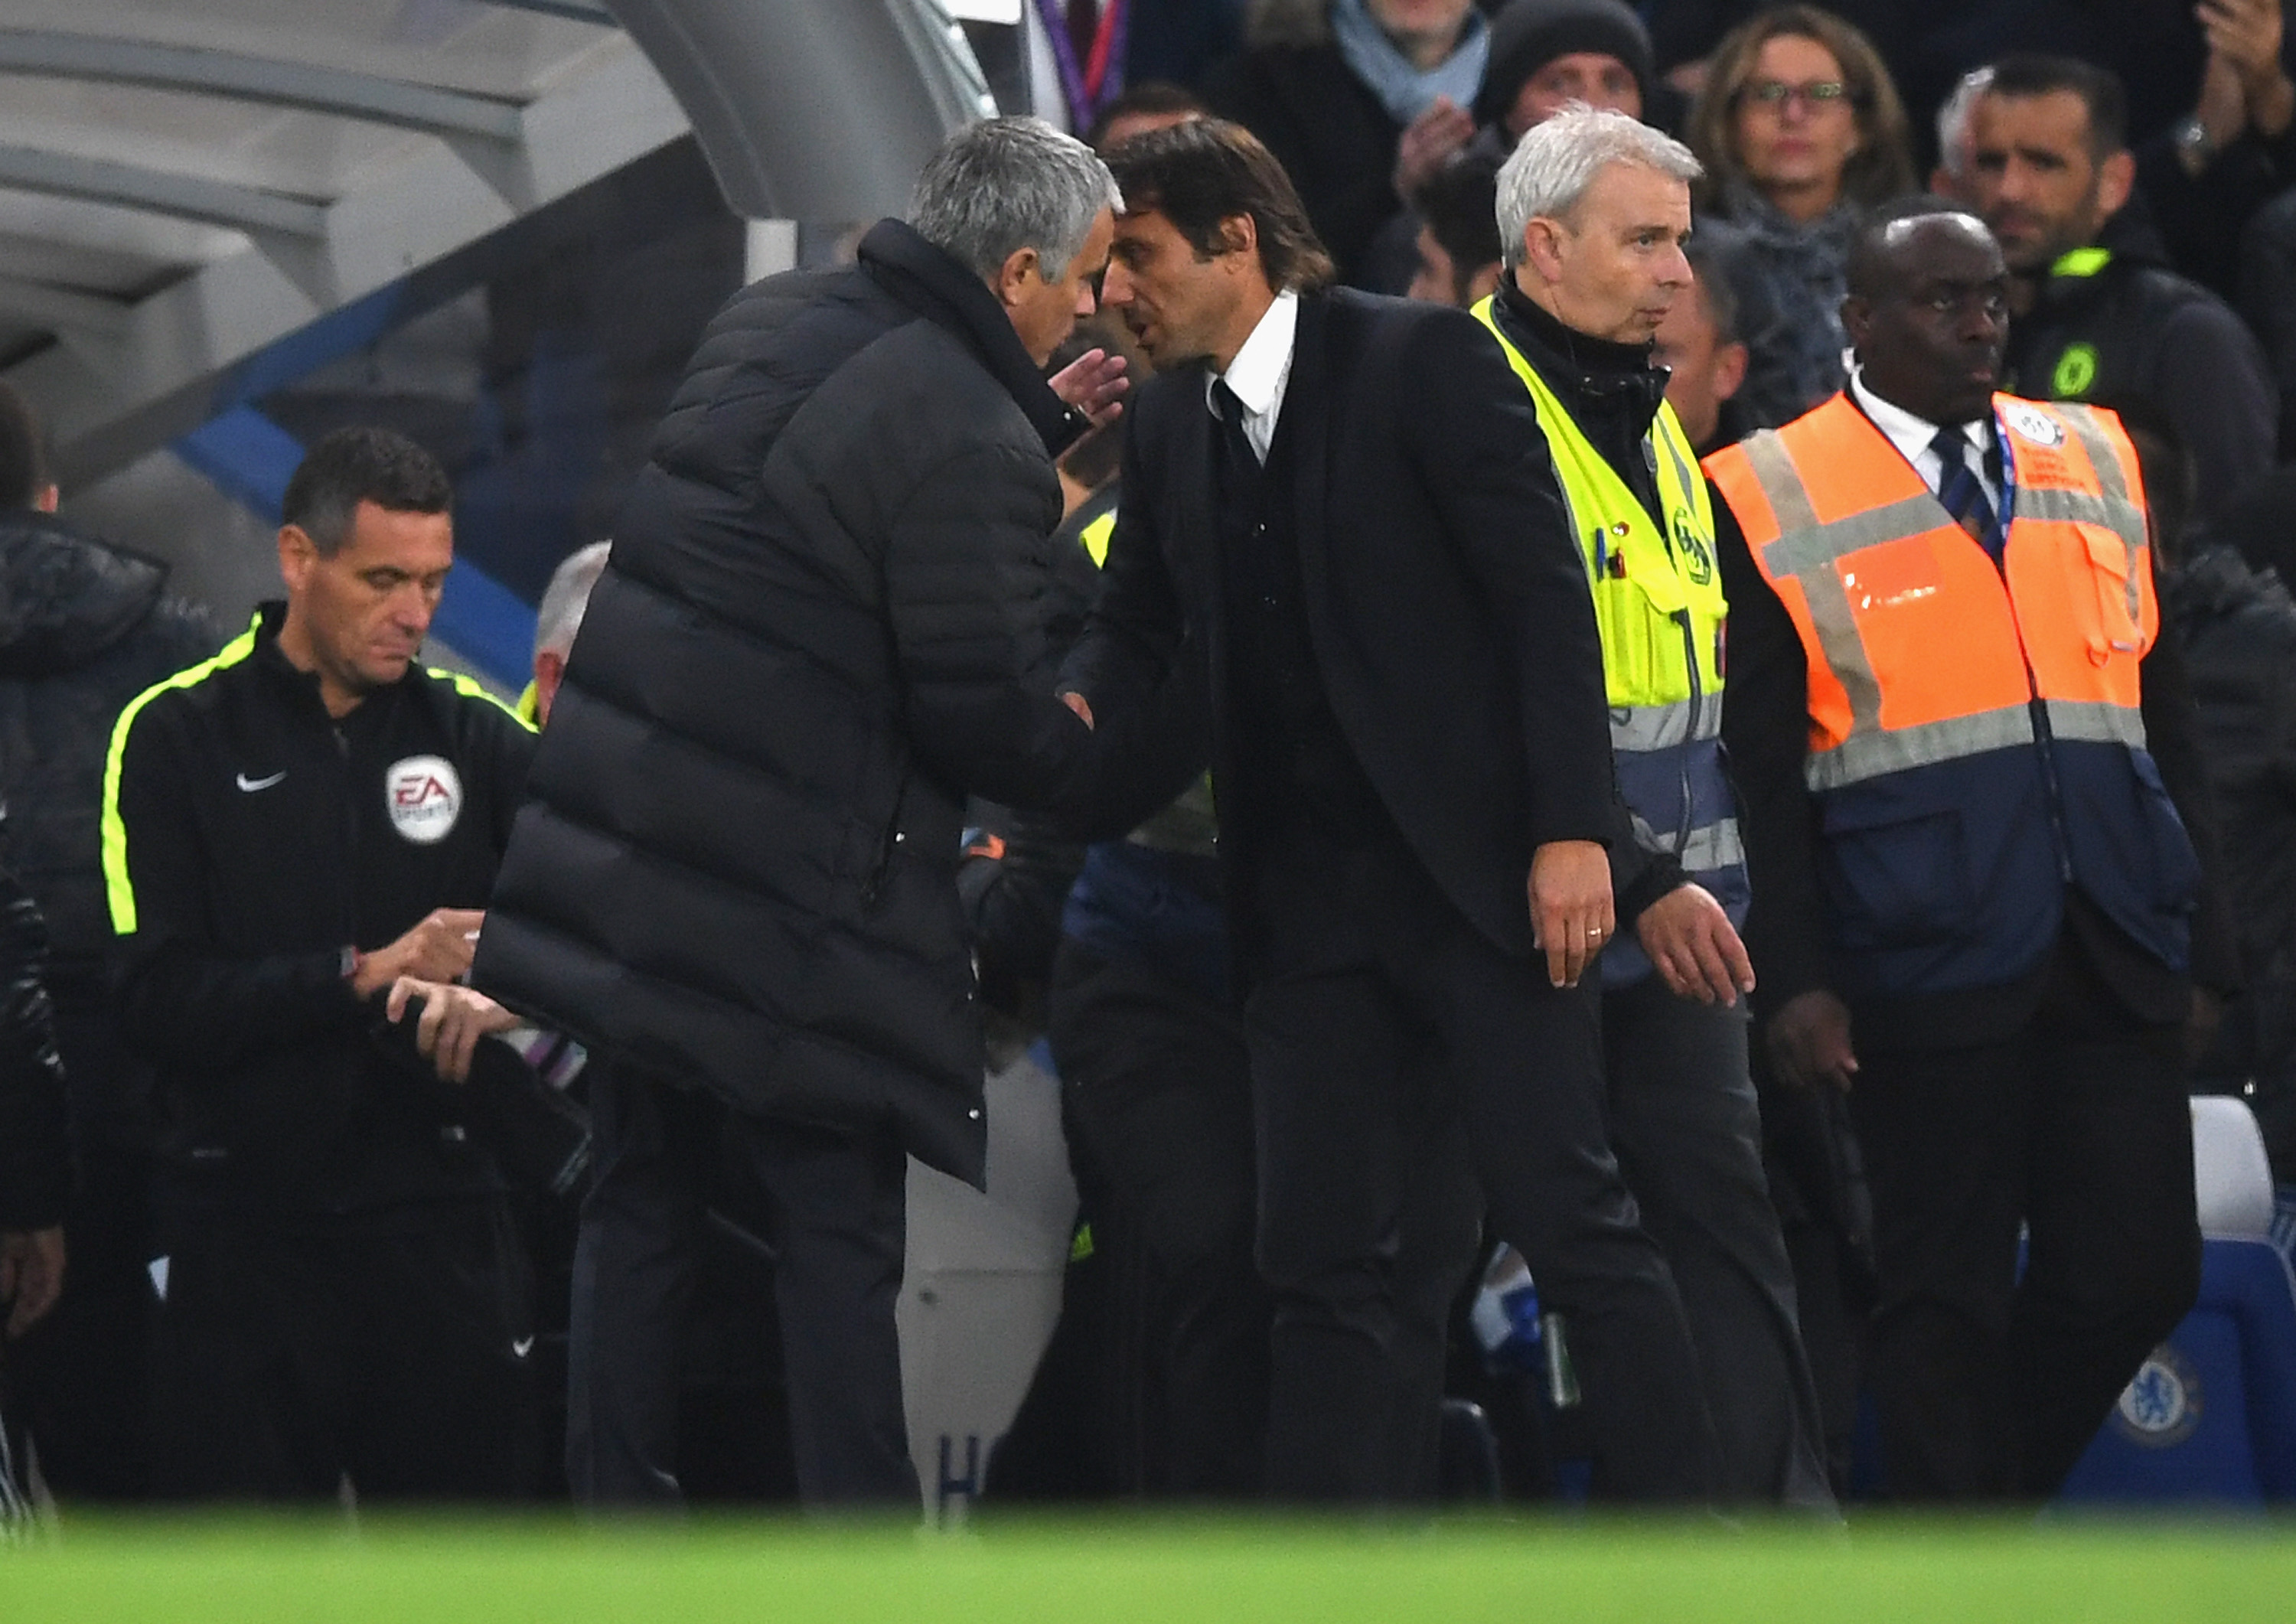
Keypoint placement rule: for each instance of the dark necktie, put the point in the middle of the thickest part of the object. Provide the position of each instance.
(1235, 444)
(1964, 493)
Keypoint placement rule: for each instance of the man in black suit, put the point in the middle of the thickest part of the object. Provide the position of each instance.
(1344, 505)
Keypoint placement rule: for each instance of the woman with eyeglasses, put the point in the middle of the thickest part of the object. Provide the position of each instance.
(1801, 131)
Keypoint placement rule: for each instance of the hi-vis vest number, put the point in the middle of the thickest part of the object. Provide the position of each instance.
(1660, 605)
(1975, 732)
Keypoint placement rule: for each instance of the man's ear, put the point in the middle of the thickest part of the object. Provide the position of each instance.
(1730, 363)
(1857, 318)
(1020, 267)
(46, 499)
(1239, 233)
(2116, 179)
(1542, 248)
(298, 555)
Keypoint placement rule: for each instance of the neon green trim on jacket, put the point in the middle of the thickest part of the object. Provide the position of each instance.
(119, 891)
(1658, 593)
(1096, 535)
(2081, 262)
(470, 689)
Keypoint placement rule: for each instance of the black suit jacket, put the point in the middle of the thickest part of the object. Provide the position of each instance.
(1445, 598)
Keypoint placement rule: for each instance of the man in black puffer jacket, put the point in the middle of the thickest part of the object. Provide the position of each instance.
(819, 631)
(84, 628)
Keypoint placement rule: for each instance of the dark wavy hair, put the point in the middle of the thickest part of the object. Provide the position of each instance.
(1199, 173)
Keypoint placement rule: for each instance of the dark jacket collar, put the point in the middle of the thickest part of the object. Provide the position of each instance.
(1596, 378)
(64, 597)
(932, 283)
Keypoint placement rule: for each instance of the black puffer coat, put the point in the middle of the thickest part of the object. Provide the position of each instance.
(35, 1165)
(821, 628)
(84, 628)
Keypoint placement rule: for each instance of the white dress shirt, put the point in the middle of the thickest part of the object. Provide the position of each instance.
(1261, 370)
(1912, 435)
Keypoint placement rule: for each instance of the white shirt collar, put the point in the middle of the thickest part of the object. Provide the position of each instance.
(1261, 370)
(1912, 435)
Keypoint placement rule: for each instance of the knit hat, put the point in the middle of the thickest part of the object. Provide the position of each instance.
(1529, 34)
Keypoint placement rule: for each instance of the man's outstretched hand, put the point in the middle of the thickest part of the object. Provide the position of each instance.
(1570, 916)
(1095, 384)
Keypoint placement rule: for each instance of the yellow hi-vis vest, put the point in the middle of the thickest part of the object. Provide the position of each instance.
(1660, 605)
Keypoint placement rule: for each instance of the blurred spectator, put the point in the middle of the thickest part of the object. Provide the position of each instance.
(1458, 243)
(2238, 624)
(1360, 101)
(1546, 53)
(555, 623)
(35, 1152)
(35, 1168)
(290, 827)
(1699, 343)
(83, 628)
(1142, 108)
(2097, 315)
(1800, 131)
(1177, 40)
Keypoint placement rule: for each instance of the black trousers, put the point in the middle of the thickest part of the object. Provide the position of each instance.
(1689, 1138)
(1156, 1082)
(1359, 961)
(78, 1377)
(284, 1360)
(836, 1212)
(1990, 1386)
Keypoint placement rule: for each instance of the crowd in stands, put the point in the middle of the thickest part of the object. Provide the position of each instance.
(242, 1041)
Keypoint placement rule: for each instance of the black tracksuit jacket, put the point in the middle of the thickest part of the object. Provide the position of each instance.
(250, 839)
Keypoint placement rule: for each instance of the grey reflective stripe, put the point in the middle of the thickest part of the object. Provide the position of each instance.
(2095, 722)
(2087, 430)
(2079, 507)
(1707, 848)
(1799, 552)
(1878, 753)
(2132, 527)
(1638, 728)
(1691, 483)
(1714, 846)
(1830, 613)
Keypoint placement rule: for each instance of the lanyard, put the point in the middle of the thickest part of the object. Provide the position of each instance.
(1099, 79)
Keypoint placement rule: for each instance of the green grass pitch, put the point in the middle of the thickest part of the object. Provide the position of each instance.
(444, 1571)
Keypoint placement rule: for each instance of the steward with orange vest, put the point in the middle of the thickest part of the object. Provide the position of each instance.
(1966, 751)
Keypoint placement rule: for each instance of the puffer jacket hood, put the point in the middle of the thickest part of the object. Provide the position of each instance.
(66, 598)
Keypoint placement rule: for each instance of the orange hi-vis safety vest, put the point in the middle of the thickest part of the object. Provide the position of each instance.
(1976, 741)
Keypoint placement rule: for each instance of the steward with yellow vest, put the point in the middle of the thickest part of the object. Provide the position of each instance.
(1965, 750)
(1591, 275)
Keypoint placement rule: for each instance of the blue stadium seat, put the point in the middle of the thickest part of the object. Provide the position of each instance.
(2213, 1416)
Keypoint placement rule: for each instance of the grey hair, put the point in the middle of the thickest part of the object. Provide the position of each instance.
(1556, 161)
(1003, 185)
(566, 597)
(1953, 121)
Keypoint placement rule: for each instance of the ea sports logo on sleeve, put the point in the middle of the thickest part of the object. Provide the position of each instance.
(423, 795)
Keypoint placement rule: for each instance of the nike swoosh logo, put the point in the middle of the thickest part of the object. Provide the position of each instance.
(252, 784)
(522, 1348)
